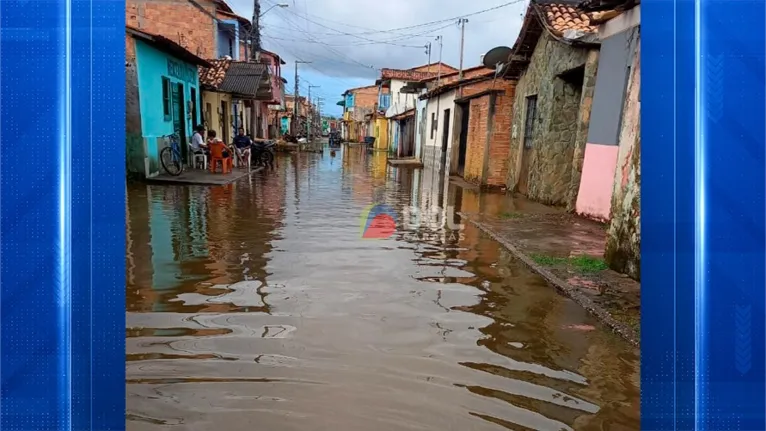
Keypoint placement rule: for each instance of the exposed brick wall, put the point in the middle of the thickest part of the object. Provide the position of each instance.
(434, 68)
(496, 164)
(476, 139)
(130, 49)
(177, 20)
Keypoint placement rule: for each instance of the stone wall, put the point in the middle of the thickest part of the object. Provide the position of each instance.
(623, 244)
(556, 125)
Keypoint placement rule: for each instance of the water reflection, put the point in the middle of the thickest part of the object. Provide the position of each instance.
(260, 303)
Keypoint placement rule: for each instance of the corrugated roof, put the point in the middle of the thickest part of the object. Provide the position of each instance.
(237, 77)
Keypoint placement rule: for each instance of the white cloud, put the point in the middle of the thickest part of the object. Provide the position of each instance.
(342, 38)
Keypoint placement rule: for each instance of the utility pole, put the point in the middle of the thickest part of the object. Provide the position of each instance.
(428, 51)
(256, 32)
(308, 117)
(294, 123)
(461, 22)
(439, 73)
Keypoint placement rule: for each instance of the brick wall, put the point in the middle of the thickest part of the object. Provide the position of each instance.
(366, 97)
(496, 164)
(178, 20)
(477, 139)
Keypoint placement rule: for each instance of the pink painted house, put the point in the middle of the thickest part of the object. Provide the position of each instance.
(269, 125)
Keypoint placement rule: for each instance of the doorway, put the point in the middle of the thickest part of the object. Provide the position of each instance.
(224, 121)
(194, 112)
(529, 135)
(179, 117)
(463, 142)
(445, 137)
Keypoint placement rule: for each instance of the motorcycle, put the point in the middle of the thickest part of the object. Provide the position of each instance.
(262, 153)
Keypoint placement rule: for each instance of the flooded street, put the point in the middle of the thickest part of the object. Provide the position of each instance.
(258, 306)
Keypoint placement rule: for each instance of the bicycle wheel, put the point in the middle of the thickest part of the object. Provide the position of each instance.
(170, 163)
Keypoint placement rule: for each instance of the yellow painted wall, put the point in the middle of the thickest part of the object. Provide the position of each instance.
(381, 134)
(212, 117)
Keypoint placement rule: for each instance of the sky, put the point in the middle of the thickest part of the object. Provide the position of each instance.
(349, 41)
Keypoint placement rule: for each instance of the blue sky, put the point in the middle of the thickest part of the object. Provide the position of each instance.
(348, 41)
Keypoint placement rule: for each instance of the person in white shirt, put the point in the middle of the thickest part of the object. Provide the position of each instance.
(198, 141)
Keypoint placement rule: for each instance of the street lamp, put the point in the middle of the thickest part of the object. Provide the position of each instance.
(282, 5)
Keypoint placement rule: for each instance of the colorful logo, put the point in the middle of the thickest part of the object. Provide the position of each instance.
(378, 222)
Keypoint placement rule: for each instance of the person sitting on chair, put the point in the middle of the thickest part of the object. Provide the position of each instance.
(242, 144)
(198, 142)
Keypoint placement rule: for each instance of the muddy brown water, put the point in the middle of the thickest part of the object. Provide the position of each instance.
(257, 306)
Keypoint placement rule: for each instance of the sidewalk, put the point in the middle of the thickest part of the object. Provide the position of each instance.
(567, 251)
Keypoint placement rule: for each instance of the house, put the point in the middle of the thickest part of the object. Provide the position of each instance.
(614, 137)
(554, 60)
(397, 99)
(270, 109)
(162, 98)
(359, 103)
(473, 140)
(207, 28)
(289, 122)
(211, 30)
(230, 88)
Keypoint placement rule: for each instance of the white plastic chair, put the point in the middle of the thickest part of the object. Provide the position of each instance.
(242, 157)
(197, 159)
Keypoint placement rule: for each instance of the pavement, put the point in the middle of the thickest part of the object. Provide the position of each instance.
(204, 177)
(553, 243)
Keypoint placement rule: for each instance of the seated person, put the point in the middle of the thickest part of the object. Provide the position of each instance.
(198, 143)
(217, 149)
(242, 144)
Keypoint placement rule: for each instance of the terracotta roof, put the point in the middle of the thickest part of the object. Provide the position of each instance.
(455, 84)
(213, 76)
(560, 17)
(406, 114)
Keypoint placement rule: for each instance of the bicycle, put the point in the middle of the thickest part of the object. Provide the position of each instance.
(171, 158)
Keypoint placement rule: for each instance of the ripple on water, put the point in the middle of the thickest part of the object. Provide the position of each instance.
(259, 302)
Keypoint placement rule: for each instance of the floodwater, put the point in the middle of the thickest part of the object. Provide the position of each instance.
(258, 306)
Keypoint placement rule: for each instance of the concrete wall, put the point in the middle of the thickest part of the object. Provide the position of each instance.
(433, 141)
(135, 158)
(420, 126)
(151, 67)
(595, 192)
(400, 102)
(558, 113)
(623, 245)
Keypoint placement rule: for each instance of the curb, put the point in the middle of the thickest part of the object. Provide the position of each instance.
(594, 309)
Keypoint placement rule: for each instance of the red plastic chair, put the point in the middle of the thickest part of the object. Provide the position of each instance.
(217, 155)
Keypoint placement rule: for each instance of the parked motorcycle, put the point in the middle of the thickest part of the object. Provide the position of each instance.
(263, 153)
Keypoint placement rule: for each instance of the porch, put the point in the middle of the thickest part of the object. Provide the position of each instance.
(204, 177)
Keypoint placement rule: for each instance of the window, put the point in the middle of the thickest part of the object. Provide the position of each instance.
(433, 124)
(529, 123)
(166, 109)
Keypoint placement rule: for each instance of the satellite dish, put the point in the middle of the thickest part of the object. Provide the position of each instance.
(495, 56)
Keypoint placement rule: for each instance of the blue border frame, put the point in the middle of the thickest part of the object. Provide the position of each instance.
(704, 231)
(62, 213)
